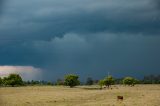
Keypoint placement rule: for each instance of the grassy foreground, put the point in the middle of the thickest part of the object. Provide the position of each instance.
(140, 95)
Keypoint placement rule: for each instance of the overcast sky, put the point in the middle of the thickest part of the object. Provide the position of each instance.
(84, 37)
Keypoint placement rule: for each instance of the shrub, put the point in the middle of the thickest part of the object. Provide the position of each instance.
(101, 83)
(0, 81)
(71, 80)
(108, 81)
(130, 81)
(12, 80)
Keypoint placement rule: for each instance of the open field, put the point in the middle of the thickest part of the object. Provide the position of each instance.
(140, 95)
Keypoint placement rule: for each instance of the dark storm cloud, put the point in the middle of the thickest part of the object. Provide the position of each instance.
(83, 37)
(157, 3)
(120, 54)
(1, 6)
(38, 19)
(101, 53)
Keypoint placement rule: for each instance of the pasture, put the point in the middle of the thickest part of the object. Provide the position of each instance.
(139, 95)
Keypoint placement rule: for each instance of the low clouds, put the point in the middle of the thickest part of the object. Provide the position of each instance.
(87, 54)
(27, 72)
(89, 37)
(102, 52)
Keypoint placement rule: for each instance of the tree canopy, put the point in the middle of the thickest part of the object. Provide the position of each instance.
(130, 81)
(0, 81)
(108, 81)
(101, 83)
(71, 80)
(12, 80)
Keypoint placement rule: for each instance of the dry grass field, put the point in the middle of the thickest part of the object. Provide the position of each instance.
(140, 95)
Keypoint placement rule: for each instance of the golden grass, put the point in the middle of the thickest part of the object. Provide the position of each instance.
(140, 95)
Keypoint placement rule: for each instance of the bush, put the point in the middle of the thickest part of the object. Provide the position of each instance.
(71, 80)
(49, 83)
(108, 81)
(101, 83)
(0, 81)
(12, 80)
(130, 81)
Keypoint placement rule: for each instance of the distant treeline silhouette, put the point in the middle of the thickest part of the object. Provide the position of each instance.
(151, 79)
(16, 80)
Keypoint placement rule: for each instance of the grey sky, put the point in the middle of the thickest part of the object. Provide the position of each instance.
(86, 37)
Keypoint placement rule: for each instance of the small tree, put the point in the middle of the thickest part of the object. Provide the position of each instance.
(101, 83)
(49, 83)
(71, 80)
(13, 79)
(108, 81)
(130, 81)
(89, 81)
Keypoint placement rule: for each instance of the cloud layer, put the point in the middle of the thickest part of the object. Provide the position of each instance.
(27, 72)
(89, 37)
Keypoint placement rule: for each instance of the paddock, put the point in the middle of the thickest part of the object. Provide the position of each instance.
(139, 95)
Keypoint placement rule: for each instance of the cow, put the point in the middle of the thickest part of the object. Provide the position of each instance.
(119, 97)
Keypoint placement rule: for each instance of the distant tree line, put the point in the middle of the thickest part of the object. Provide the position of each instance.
(34, 82)
(72, 80)
(16, 80)
(151, 79)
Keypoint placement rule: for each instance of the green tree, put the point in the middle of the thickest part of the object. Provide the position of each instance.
(101, 83)
(89, 81)
(12, 80)
(108, 81)
(71, 80)
(130, 81)
(49, 83)
(0, 81)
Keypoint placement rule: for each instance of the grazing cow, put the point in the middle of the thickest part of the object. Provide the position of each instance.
(119, 97)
